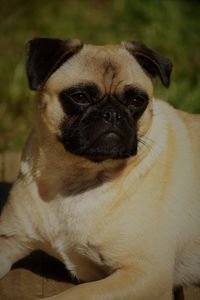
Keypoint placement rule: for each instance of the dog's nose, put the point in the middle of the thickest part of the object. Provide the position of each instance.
(111, 116)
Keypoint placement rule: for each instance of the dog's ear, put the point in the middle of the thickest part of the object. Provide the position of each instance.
(152, 62)
(45, 55)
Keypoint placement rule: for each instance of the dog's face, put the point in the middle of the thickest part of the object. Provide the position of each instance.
(97, 100)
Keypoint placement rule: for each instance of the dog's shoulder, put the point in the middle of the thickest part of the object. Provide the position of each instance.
(192, 121)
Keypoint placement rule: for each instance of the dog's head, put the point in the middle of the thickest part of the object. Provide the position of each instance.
(96, 100)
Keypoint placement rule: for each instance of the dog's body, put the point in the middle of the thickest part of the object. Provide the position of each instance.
(130, 225)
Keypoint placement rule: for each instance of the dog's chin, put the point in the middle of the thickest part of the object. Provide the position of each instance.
(109, 146)
(99, 155)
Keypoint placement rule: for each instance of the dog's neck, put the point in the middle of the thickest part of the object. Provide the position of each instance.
(60, 173)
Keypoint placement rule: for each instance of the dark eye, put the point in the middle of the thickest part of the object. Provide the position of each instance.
(80, 98)
(137, 101)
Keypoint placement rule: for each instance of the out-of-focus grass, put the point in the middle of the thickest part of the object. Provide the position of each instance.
(171, 27)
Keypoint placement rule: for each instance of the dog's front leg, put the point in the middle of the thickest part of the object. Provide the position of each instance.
(11, 251)
(124, 284)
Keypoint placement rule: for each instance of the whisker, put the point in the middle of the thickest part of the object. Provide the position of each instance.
(147, 144)
(148, 139)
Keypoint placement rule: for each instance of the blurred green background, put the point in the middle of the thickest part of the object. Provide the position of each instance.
(171, 27)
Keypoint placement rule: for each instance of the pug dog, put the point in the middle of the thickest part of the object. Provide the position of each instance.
(109, 177)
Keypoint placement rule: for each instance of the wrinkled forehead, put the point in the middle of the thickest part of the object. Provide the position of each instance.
(109, 67)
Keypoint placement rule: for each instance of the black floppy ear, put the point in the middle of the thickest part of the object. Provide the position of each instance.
(152, 62)
(45, 55)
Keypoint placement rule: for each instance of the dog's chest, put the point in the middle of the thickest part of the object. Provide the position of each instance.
(82, 258)
(85, 262)
(75, 238)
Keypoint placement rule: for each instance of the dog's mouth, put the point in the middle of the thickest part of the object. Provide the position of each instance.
(108, 138)
(109, 145)
(99, 144)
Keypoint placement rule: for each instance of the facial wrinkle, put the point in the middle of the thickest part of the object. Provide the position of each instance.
(109, 75)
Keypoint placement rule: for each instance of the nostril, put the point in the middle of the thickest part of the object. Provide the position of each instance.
(116, 116)
(107, 116)
(111, 116)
